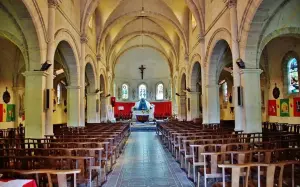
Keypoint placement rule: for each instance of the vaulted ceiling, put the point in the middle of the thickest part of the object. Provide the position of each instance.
(126, 24)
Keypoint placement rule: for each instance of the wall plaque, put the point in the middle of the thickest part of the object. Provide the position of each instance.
(6, 96)
(276, 92)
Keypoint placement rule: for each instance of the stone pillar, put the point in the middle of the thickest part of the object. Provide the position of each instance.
(73, 105)
(52, 5)
(238, 110)
(35, 84)
(174, 98)
(18, 91)
(203, 81)
(195, 105)
(92, 114)
(213, 109)
(84, 41)
(183, 107)
(250, 79)
(103, 109)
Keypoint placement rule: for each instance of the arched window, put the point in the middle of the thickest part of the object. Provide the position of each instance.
(225, 92)
(160, 91)
(293, 79)
(58, 95)
(125, 94)
(142, 91)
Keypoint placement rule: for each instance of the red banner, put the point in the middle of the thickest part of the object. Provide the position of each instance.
(113, 101)
(272, 109)
(296, 106)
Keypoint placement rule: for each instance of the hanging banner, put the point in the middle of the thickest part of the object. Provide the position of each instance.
(284, 107)
(10, 115)
(272, 109)
(296, 106)
(2, 112)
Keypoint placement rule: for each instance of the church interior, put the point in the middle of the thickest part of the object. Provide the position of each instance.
(129, 93)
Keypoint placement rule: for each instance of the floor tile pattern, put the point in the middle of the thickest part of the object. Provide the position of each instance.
(146, 163)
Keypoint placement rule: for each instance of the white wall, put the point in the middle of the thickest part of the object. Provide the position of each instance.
(127, 71)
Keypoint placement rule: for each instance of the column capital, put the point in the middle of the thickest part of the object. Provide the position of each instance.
(201, 38)
(231, 3)
(73, 87)
(35, 73)
(252, 71)
(194, 93)
(54, 3)
(84, 38)
(186, 57)
(99, 57)
(213, 86)
(18, 88)
(92, 94)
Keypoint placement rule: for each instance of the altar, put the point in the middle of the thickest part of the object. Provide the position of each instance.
(143, 111)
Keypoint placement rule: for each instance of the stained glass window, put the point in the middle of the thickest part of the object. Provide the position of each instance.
(125, 91)
(225, 92)
(160, 91)
(142, 91)
(293, 80)
(58, 95)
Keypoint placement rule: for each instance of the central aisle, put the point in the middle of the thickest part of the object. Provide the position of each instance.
(146, 163)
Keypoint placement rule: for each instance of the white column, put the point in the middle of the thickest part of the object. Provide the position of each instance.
(18, 91)
(84, 41)
(213, 107)
(92, 114)
(73, 105)
(250, 79)
(238, 110)
(35, 84)
(52, 5)
(195, 105)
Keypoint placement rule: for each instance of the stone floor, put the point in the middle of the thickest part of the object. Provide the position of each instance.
(145, 163)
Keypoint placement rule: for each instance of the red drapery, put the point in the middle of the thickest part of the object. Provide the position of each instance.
(162, 109)
(123, 109)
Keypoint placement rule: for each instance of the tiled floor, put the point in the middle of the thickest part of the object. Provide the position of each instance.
(146, 163)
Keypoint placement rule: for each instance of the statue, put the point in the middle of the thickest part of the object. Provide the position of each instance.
(143, 108)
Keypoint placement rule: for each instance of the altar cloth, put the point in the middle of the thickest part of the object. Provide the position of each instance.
(17, 183)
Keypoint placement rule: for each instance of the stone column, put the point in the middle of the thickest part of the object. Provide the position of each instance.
(35, 84)
(18, 91)
(92, 114)
(213, 109)
(250, 79)
(203, 81)
(52, 5)
(195, 105)
(238, 110)
(73, 106)
(84, 41)
(103, 110)
(183, 108)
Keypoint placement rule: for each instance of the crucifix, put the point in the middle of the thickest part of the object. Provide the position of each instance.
(142, 68)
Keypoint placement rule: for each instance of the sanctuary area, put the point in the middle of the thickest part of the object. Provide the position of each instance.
(153, 93)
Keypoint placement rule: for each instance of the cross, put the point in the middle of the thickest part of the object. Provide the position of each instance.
(142, 68)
